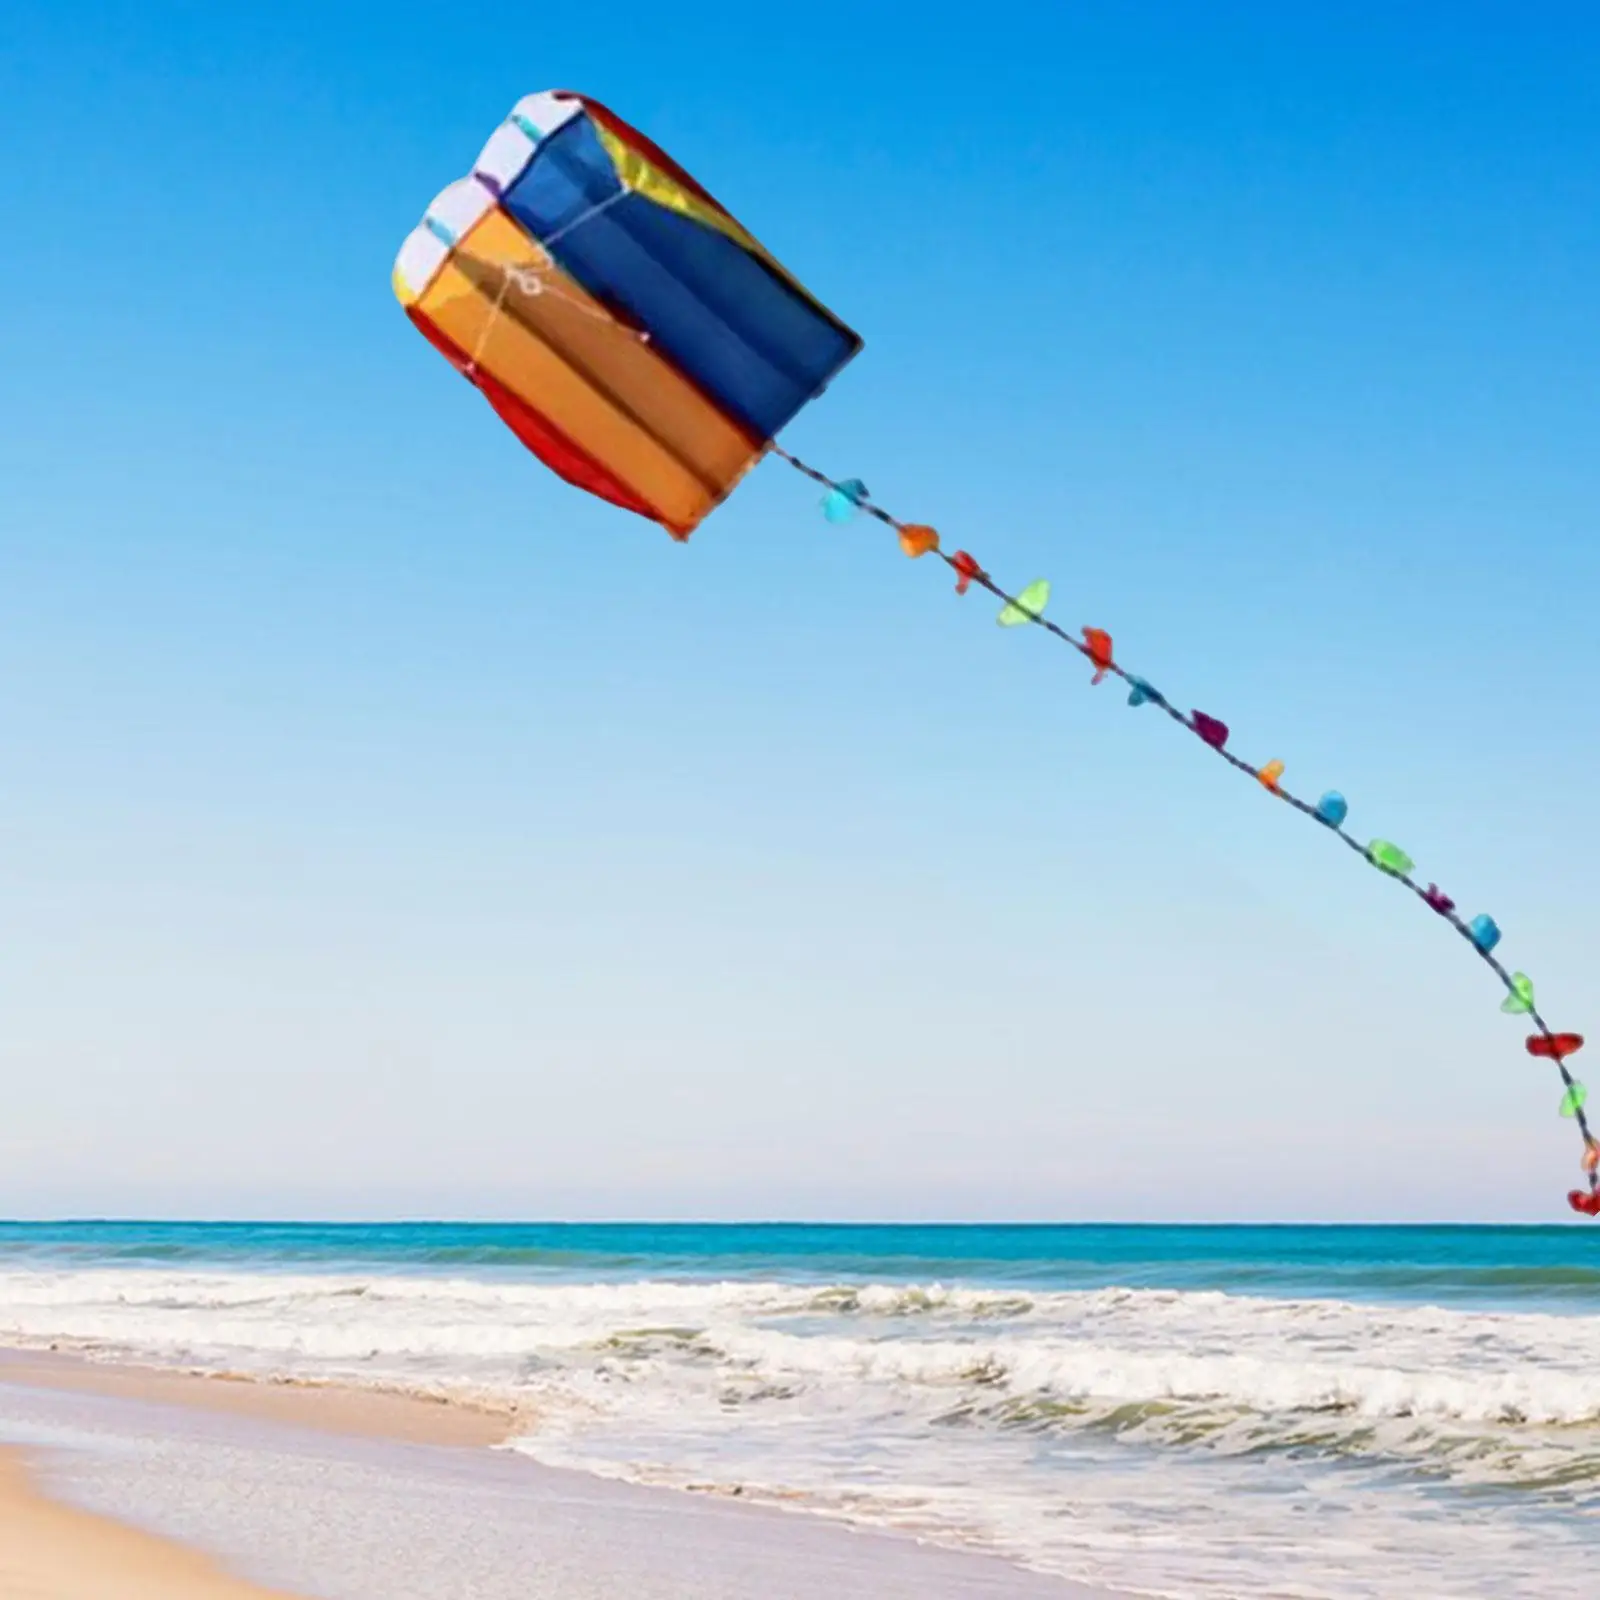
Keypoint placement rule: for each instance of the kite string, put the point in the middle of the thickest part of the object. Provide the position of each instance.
(1448, 912)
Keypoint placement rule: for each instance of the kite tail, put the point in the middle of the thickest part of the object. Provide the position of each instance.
(845, 498)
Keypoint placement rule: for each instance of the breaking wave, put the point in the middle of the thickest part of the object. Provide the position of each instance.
(1148, 1436)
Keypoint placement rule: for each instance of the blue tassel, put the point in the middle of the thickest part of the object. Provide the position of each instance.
(1332, 809)
(841, 502)
(1485, 932)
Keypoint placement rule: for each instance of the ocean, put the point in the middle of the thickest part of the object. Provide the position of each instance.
(1329, 1412)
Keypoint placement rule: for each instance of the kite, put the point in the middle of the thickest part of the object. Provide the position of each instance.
(645, 346)
(623, 325)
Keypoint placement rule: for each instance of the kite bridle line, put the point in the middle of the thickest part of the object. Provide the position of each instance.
(533, 279)
(542, 276)
(470, 371)
(971, 573)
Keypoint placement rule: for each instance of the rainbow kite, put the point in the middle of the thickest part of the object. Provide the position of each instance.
(645, 346)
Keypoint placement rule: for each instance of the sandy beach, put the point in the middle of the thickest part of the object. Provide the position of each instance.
(332, 1408)
(122, 1482)
(51, 1552)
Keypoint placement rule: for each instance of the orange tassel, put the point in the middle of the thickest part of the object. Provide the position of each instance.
(917, 540)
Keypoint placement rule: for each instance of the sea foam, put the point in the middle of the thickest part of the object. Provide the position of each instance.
(1095, 1432)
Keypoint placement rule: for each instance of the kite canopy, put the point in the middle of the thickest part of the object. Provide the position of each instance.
(624, 326)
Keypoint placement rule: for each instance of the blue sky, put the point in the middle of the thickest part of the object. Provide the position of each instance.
(387, 828)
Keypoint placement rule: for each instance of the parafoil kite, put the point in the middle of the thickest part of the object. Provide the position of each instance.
(644, 345)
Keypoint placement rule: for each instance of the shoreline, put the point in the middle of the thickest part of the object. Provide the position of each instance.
(351, 1409)
(110, 1467)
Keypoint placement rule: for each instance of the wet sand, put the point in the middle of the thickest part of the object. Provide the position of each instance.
(50, 1552)
(345, 1494)
(334, 1408)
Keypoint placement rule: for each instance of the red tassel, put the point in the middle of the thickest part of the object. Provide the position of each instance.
(1098, 642)
(966, 570)
(1554, 1046)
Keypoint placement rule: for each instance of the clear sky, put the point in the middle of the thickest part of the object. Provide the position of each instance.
(387, 828)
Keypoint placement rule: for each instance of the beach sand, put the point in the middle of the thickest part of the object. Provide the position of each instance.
(347, 1494)
(333, 1408)
(49, 1552)
(53, 1552)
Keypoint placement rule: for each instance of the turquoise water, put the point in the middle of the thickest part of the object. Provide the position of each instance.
(1509, 1267)
(1326, 1412)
